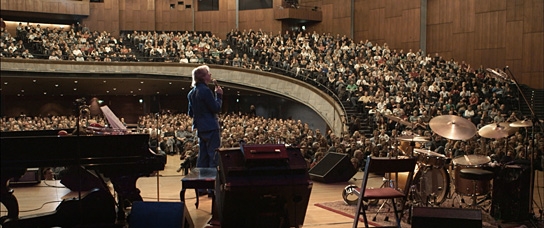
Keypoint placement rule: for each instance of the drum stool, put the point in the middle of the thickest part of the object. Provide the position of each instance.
(475, 175)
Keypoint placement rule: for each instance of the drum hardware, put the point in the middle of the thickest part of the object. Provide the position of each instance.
(453, 127)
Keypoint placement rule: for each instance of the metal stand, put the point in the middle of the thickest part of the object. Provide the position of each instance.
(534, 120)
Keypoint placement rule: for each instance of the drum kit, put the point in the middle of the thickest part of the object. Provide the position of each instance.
(431, 184)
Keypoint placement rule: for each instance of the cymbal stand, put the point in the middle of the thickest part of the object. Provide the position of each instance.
(535, 120)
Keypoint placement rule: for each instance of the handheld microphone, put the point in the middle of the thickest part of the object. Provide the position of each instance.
(215, 82)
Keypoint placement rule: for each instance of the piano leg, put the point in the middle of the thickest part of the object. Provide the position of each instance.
(125, 186)
(8, 199)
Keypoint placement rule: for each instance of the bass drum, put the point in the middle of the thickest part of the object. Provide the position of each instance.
(432, 184)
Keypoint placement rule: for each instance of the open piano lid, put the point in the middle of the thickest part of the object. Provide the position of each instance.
(114, 122)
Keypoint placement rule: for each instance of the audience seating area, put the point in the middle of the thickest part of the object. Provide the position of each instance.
(378, 86)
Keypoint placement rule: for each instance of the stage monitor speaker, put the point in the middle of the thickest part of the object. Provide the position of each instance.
(446, 217)
(31, 176)
(334, 167)
(159, 214)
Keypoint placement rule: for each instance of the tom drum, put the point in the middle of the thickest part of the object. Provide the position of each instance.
(465, 186)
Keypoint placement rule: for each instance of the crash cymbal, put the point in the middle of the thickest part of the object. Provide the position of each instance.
(413, 138)
(522, 123)
(497, 131)
(453, 127)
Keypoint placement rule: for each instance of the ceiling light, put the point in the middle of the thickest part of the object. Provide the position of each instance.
(34, 80)
(56, 85)
(142, 82)
(75, 81)
(5, 83)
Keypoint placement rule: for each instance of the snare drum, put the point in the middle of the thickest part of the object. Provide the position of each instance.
(430, 158)
(465, 186)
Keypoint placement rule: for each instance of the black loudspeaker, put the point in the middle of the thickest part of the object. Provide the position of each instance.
(334, 167)
(159, 214)
(511, 193)
(446, 217)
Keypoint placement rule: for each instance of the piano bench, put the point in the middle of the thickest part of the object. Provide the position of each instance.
(198, 178)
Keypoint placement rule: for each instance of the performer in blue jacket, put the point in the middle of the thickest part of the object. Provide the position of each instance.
(204, 106)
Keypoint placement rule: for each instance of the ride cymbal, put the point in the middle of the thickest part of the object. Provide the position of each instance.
(453, 127)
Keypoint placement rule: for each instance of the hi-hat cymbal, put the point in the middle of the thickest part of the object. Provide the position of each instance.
(453, 127)
(497, 131)
(413, 138)
(522, 123)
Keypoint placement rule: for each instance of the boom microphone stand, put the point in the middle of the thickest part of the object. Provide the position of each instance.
(501, 74)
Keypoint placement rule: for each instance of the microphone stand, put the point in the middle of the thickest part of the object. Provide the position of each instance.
(534, 118)
(158, 148)
(82, 109)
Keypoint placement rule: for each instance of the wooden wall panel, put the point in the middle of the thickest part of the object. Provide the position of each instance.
(50, 6)
(533, 53)
(534, 9)
(465, 18)
(255, 19)
(514, 49)
(491, 33)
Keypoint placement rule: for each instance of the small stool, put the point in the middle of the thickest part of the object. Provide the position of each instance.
(475, 175)
(198, 178)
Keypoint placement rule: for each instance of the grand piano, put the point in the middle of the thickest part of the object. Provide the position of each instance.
(121, 158)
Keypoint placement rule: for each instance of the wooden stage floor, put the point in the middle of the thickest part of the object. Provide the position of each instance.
(45, 196)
